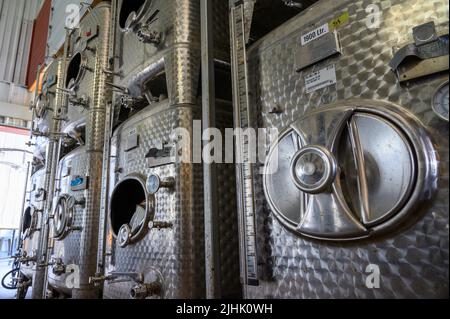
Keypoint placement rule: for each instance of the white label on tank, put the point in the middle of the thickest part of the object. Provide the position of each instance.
(315, 34)
(320, 79)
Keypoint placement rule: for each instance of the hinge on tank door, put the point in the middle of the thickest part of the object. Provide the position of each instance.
(427, 55)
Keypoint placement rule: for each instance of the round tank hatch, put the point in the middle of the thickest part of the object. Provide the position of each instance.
(63, 216)
(74, 71)
(26, 221)
(347, 173)
(131, 12)
(42, 105)
(131, 209)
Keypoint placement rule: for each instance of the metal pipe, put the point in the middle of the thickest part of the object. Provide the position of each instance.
(107, 153)
(95, 138)
(210, 179)
(136, 83)
(51, 166)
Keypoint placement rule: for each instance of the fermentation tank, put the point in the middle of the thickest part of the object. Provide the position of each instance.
(155, 246)
(75, 221)
(45, 112)
(352, 200)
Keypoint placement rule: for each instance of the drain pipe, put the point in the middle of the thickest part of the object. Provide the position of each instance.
(212, 240)
(95, 138)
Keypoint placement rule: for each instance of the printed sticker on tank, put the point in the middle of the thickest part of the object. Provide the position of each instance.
(315, 34)
(320, 79)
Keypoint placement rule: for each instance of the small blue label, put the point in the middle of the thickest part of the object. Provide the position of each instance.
(77, 182)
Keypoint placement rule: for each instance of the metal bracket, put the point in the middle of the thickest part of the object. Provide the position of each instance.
(427, 55)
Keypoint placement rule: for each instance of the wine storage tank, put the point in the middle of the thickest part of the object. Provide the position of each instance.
(155, 221)
(88, 97)
(354, 202)
(155, 230)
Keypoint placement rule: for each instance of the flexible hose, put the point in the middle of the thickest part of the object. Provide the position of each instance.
(14, 282)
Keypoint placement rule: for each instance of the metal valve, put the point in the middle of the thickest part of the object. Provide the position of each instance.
(142, 291)
(25, 259)
(58, 268)
(38, 133)
(128, 101)
(82, 101)
(154, 183)
(148, 36)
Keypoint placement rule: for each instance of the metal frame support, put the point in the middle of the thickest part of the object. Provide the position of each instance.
(212, 240)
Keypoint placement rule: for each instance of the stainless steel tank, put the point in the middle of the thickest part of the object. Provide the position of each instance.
(45, 101)
(31, 224)
(157, 45)
(155, 233)
(354, 199)
(45, 130)
(154, 221)
(69, 209)
(88, 97)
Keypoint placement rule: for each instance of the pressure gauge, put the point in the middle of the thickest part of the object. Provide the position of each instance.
(440, 101)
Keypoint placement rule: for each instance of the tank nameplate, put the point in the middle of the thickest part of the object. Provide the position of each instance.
(317, 50)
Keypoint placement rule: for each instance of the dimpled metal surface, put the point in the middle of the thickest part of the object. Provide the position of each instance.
(178, 252)
(414, 260)
(31, 243)
(99, 18)
(68, 249)
(178, 22)
(45, 122)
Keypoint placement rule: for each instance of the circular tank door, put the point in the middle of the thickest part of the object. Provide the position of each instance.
(75, 70)
(132, 12)
(63, 216)
(26, 222)
(350, 171)
(131, 209)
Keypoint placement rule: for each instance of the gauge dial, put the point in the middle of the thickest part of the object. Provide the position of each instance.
(440, 101)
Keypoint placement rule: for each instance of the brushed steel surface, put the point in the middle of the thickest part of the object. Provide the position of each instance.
(97, 19)
(177, 253)
(54, 99)
(413, 260)
(178, 23)
(31, 242)
(68, 249)
(46, 100)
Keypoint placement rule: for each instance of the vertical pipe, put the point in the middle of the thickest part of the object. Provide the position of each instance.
(51, 165)
(212, 243)
(107, 152)
(38, 291)
(95, 138)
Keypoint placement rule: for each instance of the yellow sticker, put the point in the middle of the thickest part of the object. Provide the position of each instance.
(340, 21)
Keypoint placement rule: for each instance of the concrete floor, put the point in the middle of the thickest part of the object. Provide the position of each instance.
(5, 266)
